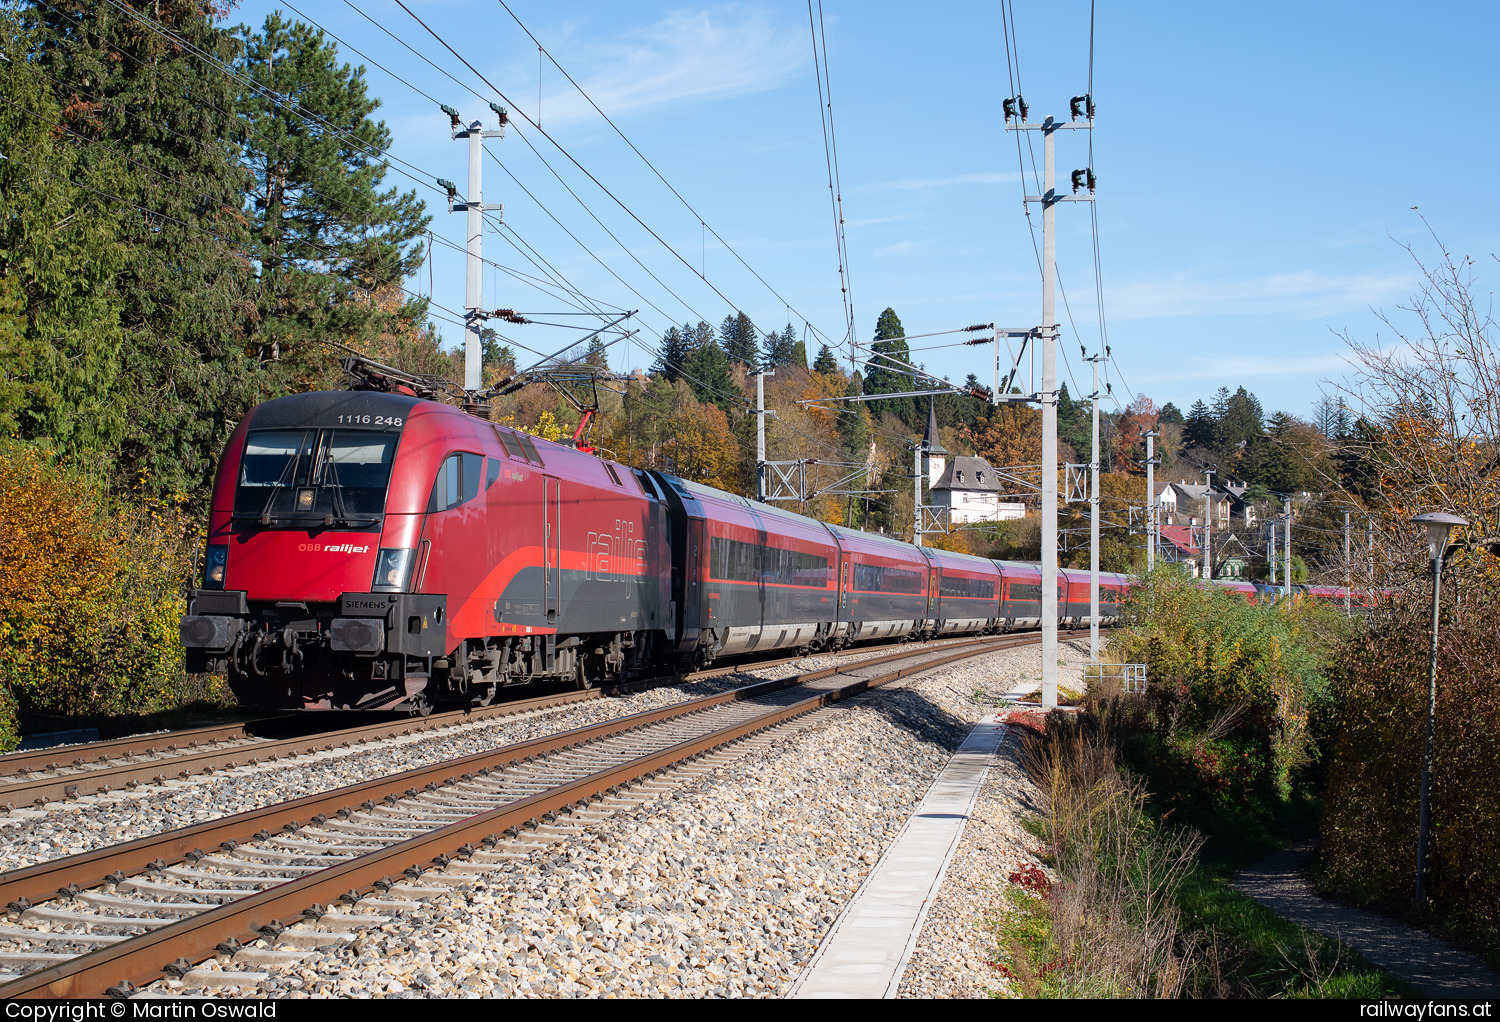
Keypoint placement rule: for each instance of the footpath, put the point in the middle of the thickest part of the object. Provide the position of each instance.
(1434, 967)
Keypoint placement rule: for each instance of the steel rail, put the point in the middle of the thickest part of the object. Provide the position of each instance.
(57, 757)
(106, 778)
(142, 959)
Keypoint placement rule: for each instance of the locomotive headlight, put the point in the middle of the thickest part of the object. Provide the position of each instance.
(213, 569)
(392, 571)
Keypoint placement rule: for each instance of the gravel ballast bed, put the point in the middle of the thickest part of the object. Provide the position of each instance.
(723, 887)
(32, 835)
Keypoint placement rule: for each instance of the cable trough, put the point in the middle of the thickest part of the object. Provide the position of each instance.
(103, 922)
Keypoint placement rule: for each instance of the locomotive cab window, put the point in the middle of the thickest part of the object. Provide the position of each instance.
(291, 476)
(457, 481)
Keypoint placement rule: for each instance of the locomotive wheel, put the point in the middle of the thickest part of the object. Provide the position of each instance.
(581, 679)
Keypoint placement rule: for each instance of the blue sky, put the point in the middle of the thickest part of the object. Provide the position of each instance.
(1257, 165)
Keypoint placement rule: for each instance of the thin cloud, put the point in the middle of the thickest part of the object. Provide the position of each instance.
(1306, 295)
(919, 183)
(684, 58)
(1238, 368)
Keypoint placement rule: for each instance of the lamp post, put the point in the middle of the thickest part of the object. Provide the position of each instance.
(1438, 525)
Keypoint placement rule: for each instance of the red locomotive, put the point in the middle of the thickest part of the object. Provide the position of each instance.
(374, 550)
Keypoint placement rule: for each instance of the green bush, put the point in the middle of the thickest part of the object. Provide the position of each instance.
(1235, 691)
(1369, 828)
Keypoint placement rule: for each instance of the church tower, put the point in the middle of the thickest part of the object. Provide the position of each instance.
(935, 454)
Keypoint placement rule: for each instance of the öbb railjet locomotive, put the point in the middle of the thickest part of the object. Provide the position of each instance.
(371, 550)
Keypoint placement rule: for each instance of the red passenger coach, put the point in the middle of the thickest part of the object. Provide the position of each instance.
(964, 592)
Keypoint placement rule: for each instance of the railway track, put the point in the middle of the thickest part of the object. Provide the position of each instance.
(39, 776)
(104, 921)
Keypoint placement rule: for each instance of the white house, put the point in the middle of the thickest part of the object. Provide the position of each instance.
(968, 487)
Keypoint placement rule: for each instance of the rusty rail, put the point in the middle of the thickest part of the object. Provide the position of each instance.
(142, 959)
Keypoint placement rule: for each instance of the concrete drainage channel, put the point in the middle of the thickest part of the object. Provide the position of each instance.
(178, 904)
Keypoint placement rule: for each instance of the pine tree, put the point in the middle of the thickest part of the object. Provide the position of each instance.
(598, 355)
(710, 377)
(1199, 428)
(186, 295)
(497, 358)
(797, 345)
(779, 349)
(825, 362)
(672, 354)
(60, 250)
(886, 373)
(325, 235)
(737, 338)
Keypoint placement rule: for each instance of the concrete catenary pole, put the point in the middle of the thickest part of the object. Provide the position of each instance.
(473, 205)
(1286, 555)
(1094, 525)
(1349, 566)
(916, 472)
(1049, 424)
(473, 291)
(1046, 396)
(1151, 506)
(1208, 523)
(760, 433)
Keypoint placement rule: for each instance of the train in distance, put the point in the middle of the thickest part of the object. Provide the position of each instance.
(370, 549)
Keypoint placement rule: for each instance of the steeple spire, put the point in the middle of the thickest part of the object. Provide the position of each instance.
(932, 442)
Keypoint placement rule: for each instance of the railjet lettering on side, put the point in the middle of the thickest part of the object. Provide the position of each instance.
(614, 558)
(332, 548)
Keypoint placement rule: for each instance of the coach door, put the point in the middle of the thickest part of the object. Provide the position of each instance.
(552, 546)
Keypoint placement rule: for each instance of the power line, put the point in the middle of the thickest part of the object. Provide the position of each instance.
(299, 111)
(584, 170)
(649, 164)
(830, 158)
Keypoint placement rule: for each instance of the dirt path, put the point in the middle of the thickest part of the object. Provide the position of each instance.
(1424, 961)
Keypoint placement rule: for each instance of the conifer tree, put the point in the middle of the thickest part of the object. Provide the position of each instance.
(672, 353)
(60, 250)
(796, 345)
(780, 349)
(737, 338)
(324, 233)
(886, 372)
(825, 362)
(711, 379)
(185, 295)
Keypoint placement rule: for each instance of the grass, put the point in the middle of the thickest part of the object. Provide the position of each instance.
(1140, 909)
(1250, 951)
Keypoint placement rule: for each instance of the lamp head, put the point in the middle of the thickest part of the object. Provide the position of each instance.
(1438, 525)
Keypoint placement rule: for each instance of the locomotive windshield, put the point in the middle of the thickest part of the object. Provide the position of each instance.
(302, 477)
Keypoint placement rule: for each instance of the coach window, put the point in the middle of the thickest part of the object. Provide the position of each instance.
(457, 481)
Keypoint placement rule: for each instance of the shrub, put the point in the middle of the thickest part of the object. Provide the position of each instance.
(1234, 690)
(90, 593)
(1369, 828)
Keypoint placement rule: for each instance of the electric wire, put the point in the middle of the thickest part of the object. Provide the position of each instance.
(703, 223)
(830, 159)
(584, 170)
(182, 223)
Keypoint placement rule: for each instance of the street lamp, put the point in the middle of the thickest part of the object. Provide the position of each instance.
(1438, 526)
